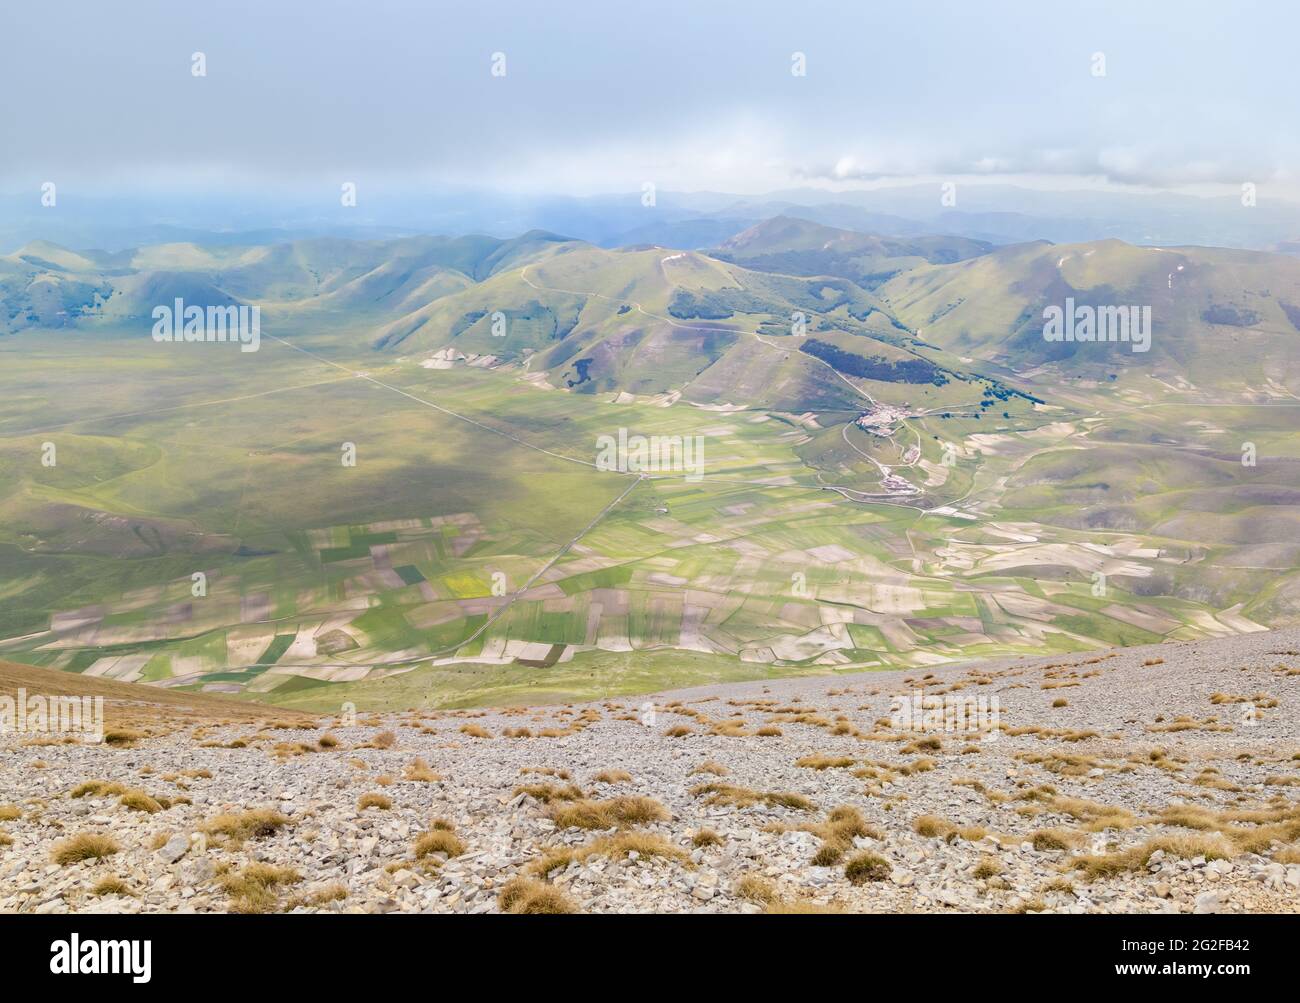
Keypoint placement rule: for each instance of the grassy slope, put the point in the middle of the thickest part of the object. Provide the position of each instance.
(249, 487)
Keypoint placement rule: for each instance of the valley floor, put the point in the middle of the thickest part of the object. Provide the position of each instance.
(1151, 779)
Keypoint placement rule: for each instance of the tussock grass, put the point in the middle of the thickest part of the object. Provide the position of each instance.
(825, 762)
(475, 731)
(254, 889)
(1055, 839)
(10, 812)
(419, 771)
(1136, 857)
(334, 891)
(1065, 764)
(842, 826)
(111, 886)
(612, 777)
(97, 788)
(1249, 830)
(753, 888)
(706, 837)
(438, 841)
(867, 866)
(941, 828)
(122, 736)
(1287, 855)
(614, 812)
(643, 844)
(743, 797)
(138, 800)
(1094, 816)
(374, 801)
(256, 823)
(528, 896)
(84, 846)
(546, 771)
(988, 867)
(546, 793)
(709, 766)
(553, 860)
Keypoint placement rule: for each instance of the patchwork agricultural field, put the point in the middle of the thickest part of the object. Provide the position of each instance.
(474, 552)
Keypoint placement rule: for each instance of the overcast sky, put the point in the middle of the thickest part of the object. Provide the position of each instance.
(602, 96)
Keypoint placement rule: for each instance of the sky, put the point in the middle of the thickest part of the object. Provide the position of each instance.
(605, 96)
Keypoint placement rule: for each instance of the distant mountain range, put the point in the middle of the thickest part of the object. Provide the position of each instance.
(653, 319)
(998, 214)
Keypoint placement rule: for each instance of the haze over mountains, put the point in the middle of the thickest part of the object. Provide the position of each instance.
(996, 213)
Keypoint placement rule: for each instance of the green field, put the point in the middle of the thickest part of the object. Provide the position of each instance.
(474, 553)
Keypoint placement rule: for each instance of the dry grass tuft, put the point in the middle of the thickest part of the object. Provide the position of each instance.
(122, 736)
(1055, 839)
(84, 846)
(828, 855)
(615, 812)
(419, 770)
(374, 801)
(111, 886)
(867, 866)
(743, 797)
(1287, 855)
(96, 788)
(254, 889)
(528, 896)
(1094, 816)
(256, 823)
(941, 828)
(1136, 857)
(546, 793)
(988, 867)
(825, 762)
(438, 841)
(643, 844)
(138, 800)
(753, 888)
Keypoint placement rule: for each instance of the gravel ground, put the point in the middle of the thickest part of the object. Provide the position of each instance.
(1193, 746)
